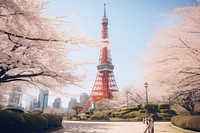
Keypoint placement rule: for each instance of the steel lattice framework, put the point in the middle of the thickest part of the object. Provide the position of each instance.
(105, 82)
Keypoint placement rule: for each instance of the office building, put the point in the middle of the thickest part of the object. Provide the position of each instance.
(57, 103)
(83, 98)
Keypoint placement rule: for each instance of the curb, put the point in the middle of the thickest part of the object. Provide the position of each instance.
(50, 130)
(185, 130)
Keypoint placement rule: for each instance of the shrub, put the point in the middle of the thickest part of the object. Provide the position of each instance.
(118, 114)
(12, 121)
(137, 119)
(87, 113)
(114, 114)
(97, 113)
(163, 106)
(60, 118)
(164, 115)
(187, 122)
(98, 117)
(125, 109)
(17, 121)
(130, 115)
(153, 106)
(137, 114)
(94, 117)
(134, 108)
(166, 118)
(142, 106)
(29, 121)
(38, 122)
(116, 119)
(142, 111)
(130, 109)
(194, 123)
(107, 113)
(124, 112)
(15, 110)
(87, 116)
(173, 112)
(53, 120)
(166, 111)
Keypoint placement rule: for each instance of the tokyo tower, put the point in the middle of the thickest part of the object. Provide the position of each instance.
(105, 82)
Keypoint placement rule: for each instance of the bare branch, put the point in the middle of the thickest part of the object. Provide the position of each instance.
(17, 45)
(191, 49)
(12, 14)
(32, 38)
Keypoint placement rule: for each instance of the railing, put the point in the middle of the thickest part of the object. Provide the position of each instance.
(150, 125)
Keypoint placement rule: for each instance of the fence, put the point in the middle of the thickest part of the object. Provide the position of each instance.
(150, 125)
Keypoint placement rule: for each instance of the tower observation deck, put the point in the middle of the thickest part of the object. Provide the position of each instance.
(105, 82)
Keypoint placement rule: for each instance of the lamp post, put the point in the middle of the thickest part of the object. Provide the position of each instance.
(146, 85)
(127, 98)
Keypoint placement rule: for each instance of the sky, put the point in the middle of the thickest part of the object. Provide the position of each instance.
(132, 24)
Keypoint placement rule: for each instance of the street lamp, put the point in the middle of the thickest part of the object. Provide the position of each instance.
(146, 85)
(127, 98)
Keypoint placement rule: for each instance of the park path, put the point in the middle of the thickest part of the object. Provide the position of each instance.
(165, 127)
(113, 127)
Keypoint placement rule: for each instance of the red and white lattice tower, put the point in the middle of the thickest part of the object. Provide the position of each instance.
(105, 82)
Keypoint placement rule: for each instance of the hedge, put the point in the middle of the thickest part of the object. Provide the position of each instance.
(164, 115)
(134, 108)
(166, 111)
(14, 121)
(166, 118)
(97, 113)
(153, 106)
(38, 122)
(11, 122)
(142, 111)
(129, 109)
(129, 115)
(163, 106)
(191, 122)
(137, 114)
(53, 120)
(98, 117)
(137, 119)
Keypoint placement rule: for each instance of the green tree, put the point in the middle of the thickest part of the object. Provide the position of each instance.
(77, 109)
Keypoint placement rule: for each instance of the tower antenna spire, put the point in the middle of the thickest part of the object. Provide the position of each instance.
(105, 83)
(105, 9)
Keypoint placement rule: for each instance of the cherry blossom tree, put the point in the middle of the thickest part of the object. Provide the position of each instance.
(33, 49)
(127, 97)
(173, 64)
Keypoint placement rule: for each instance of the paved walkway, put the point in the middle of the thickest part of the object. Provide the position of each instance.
(165, 127)
(113, 127)
(101, 127)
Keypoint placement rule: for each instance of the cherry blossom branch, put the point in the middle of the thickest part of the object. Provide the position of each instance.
(12, 14)
(32, 38)
(191, 49)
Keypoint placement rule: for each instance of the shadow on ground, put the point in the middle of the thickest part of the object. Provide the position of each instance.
(73, 127)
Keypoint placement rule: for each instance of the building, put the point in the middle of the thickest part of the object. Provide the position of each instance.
(83, 98)
(32, 103)
(57, 103)
(15, 96)
(105, 83)
(43, 99)
(73, 102)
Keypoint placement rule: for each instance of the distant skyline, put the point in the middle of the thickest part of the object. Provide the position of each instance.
(132, 24)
